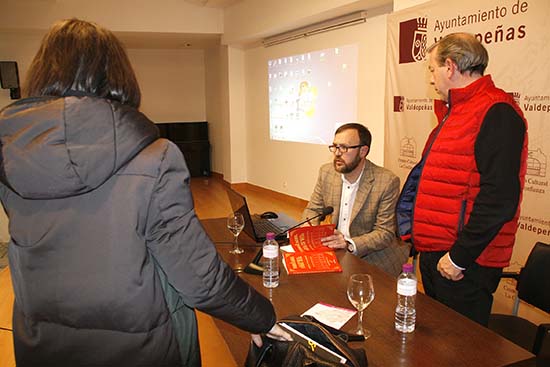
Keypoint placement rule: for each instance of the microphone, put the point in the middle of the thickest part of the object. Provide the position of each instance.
(255, 268)
(324, 212)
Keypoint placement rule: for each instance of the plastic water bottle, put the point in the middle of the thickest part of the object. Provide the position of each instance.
(405, 312)
(270, 261)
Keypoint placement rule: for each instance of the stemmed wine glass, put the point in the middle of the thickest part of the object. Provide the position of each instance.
(235, 223)
(360, 294)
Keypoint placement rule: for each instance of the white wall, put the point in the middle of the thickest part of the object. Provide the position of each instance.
(172, 84)
(217, 107)
(20, 48)
(229, 89)
(292, 168)
(120, 15)
(172, 81)
(403, 4)
(240, 151)
(242, 23)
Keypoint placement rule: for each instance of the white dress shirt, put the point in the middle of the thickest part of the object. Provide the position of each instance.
(349, 192)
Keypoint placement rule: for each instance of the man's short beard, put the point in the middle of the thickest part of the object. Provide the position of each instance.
(347, 168)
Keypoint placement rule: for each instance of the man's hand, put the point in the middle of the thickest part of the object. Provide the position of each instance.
(276, 332)
(335, 241)
(448, 270)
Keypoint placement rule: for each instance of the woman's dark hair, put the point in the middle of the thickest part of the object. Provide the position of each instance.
(76, 55)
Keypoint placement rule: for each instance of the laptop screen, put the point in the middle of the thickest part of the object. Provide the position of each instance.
(238, 204)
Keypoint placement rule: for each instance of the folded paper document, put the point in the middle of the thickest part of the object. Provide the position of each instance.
(310, 255)
(306, 239)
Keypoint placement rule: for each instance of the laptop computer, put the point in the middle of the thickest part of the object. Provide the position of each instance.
(254, 226)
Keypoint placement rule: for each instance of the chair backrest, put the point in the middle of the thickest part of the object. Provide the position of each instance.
(534, 280)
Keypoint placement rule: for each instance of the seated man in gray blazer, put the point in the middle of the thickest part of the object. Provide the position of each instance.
(363, 196)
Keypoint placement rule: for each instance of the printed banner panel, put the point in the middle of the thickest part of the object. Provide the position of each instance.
(515, 33)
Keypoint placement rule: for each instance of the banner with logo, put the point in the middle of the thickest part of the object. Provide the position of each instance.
(515, 33)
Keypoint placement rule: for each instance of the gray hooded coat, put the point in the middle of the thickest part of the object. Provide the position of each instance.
(94, 201)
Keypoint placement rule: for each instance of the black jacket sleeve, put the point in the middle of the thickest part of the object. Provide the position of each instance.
(189, 259)
(498, 150)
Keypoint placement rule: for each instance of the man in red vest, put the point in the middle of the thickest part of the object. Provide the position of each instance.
(460, 204)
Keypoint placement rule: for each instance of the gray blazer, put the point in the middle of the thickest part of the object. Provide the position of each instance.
(372, 225)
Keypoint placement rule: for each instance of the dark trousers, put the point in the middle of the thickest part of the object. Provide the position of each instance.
(472, 296)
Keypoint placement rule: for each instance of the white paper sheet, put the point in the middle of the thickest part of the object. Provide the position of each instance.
(330, 315)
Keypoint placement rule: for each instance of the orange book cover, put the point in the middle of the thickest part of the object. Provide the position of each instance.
(312, 262)
(306, 239)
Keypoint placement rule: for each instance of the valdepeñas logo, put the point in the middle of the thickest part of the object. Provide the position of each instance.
(413, 36)
(516, 96)
(398, 103)
(536, 163)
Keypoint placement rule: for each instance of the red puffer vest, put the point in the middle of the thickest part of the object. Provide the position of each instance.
(450, 179)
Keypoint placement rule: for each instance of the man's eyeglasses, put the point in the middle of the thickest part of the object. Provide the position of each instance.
(342, 148)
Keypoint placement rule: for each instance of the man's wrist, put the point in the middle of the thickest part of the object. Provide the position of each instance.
(453, 263)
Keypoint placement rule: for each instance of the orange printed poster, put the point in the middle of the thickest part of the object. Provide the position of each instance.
(305, 239)
(311, 262)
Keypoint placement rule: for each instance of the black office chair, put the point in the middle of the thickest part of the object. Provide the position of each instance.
(533, 287)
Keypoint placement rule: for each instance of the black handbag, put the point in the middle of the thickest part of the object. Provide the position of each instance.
(302, 352)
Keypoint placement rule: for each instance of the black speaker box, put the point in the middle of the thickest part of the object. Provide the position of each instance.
(192, 139)
(9, 76)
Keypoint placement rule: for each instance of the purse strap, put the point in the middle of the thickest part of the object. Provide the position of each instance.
(338, 338)
(345, 336)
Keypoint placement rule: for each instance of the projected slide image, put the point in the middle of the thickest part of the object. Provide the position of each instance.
(312, 93)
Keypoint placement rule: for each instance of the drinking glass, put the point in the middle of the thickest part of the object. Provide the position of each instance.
(235, 223)
(360, 294)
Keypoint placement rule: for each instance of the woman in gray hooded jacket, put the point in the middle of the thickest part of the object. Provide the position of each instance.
(107, 256)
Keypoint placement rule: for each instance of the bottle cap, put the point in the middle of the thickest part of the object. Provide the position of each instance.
(270, 236)
(407, 268)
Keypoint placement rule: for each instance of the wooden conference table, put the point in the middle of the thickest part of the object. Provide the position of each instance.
(442, 337)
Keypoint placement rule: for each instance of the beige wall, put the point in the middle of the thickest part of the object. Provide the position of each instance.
(20, 48)
(172, 81)
(172, 84)
(240, 153)
(120, 15)
(292, 167)
(217, 107)
(226, 86)
(242, 23)
(403, 4)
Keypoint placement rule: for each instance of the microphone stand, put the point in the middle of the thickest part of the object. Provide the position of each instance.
(255, 268)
